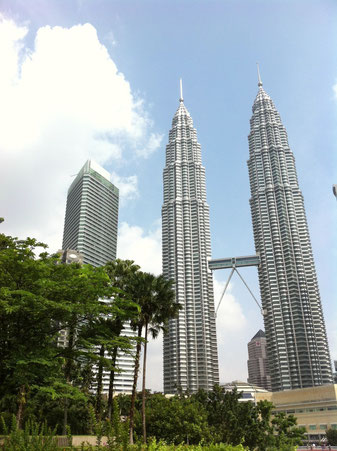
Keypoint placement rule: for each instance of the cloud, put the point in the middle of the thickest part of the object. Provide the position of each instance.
(142, 247)
(62, 102)
(232, 331)
(230, 313)
(128, 186)
(153, 144)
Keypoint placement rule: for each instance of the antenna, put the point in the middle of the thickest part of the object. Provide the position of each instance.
(181, 91)
(258, 75)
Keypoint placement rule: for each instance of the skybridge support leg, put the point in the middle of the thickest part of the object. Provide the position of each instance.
(243, 280)
(224, 291)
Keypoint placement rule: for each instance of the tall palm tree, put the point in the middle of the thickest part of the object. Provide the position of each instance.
(121, 274)
(156, 298)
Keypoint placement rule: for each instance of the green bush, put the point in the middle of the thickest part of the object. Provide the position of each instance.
(34, 437)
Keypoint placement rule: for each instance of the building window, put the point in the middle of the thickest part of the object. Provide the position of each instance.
(312, 427)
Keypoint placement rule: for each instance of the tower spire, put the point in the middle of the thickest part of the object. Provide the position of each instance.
(259, 76)
(181, 91)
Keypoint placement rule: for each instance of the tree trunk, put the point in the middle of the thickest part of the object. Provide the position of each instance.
(67, 371)
(99, 385)
(134, 386)
(143, 391)
(22, 402)
(111, 382)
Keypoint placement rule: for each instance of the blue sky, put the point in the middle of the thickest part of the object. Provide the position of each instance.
(214, 47)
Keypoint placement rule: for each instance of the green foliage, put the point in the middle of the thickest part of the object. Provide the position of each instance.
(285, 431)
(174, 420)
(331, 435)
(43, 383)
(235, 422)
(34, 437)
(39, 297)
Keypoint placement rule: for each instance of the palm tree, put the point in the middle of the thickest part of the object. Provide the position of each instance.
(121, 274)
(156, 298)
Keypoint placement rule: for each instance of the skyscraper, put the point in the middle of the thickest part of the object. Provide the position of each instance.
(90, 227)
(91, 220)
(297, 346)
(258, 371)
(190, 347)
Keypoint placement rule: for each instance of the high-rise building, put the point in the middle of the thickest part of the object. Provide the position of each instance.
(90, 227)
(190, 346)
(91, 220)
(297, 346)
(258, 372)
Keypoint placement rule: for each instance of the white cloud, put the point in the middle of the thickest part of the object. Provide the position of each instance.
(232, 334)
(153, 144)
(128, 186)
(144, 248)
(62, 102)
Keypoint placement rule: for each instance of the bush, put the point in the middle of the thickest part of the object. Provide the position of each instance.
(34, 437)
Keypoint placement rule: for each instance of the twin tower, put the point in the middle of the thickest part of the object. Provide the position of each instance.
(297, 346)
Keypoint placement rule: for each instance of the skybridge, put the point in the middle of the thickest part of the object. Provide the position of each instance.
(234, 263)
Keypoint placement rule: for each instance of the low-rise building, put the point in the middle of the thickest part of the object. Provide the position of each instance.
(315, 407)
(248, 391)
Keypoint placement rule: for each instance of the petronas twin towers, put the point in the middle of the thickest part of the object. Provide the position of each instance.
(297, 347)
(190, 347)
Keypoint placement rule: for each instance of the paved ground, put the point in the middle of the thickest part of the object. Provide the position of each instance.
(317, 448)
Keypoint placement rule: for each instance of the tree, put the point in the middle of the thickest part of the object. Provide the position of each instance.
(156, 298)
(285, 432)
(121, 273)
(331, 435)
(27, 331)
(236, 422)
(79, 290)
(176, 420)
(38, 299)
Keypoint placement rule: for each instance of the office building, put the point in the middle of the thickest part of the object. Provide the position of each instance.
(90, 227)
(258, 372)
(91, 220)
(190, 346)
(297, 346)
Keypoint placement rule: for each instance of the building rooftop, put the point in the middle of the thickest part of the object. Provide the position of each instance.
(259, 334)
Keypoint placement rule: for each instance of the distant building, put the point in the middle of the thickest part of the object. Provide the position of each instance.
(297, 345)
(335, 373)
(248, 391)
(90, 227)
(258, 373)
(91, 220)
(315, 408)
(70, 256)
